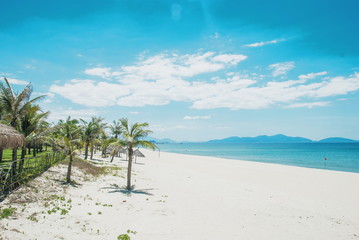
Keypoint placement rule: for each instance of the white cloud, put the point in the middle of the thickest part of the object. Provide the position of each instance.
(338, 86)
(312, 75)
(165, 78)
(134, 112)
(57, 114)
(29, 66)
(161, 128)
(100, 72)
(49, 97)
(232, 59)
(196, 117)
(308, 105)
(16, 81)
(90, 93)
(169, 67)
(260, 44)
(281, 68)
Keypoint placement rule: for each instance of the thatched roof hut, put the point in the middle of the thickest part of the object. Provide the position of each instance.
(9, 137)
(122, 150)
(137, 153)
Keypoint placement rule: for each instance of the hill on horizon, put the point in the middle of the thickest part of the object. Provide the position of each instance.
(337, 140)
(279, 138)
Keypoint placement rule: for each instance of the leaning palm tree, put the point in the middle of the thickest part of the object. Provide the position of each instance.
(133, 137)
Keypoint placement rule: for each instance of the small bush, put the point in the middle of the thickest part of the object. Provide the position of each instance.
(33, 218)
(6, 212)
(123, 237)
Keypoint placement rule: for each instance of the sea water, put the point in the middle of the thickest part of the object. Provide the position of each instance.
(331, 156)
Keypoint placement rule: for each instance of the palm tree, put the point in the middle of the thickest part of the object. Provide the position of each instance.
(69, 133)
(105, 142)
(15, 106)
(133, 137)
(30, 125)
(91, 131)
(115, 128)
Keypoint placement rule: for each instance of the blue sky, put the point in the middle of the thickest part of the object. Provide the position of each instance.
(195, 69)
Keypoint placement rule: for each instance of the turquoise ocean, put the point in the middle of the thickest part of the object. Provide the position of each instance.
(330, 156)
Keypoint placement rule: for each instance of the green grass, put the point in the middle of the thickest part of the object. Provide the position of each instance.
(7, 155)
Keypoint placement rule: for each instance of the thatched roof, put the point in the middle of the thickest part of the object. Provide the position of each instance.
(137, 153)
(122, 150)
(119, 149)
(9, 137)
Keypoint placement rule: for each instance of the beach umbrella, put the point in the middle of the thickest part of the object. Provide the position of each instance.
(137, 153)
(9, 137)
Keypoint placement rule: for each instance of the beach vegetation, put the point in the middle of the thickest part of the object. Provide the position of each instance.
(7, 212)
(15, 106)
(91, 131)
(132, 137)
(67, 138)
(33, 218)
(123, 237)
(115, 128)
(105, 143)
(70, 136)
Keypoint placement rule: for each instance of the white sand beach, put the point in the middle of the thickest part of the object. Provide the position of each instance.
(189, 197)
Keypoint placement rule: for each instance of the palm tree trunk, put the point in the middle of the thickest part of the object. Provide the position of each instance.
(14, 154)
(91, 157)
(14, 161)
(129, 168)
(113, 156)
(68, 175)
(34, 151)
(22, 159)
(87, 149)
(1, 152)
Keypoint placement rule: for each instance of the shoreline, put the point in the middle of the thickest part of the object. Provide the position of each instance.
(326, 161)
(181, 196)
(256, 161)
(260, 162)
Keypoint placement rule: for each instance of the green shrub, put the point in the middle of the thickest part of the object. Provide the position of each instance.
(6, 212)
(123, 237)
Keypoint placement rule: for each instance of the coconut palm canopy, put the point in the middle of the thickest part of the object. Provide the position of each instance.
(9, 137)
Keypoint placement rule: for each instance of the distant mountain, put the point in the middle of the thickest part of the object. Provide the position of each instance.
(156, 140)
(337, 140)
(280, 138)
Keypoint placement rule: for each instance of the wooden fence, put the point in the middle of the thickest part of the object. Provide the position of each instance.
(20, 171)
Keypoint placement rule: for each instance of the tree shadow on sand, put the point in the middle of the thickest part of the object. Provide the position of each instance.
(114, 188)
(64, 182)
